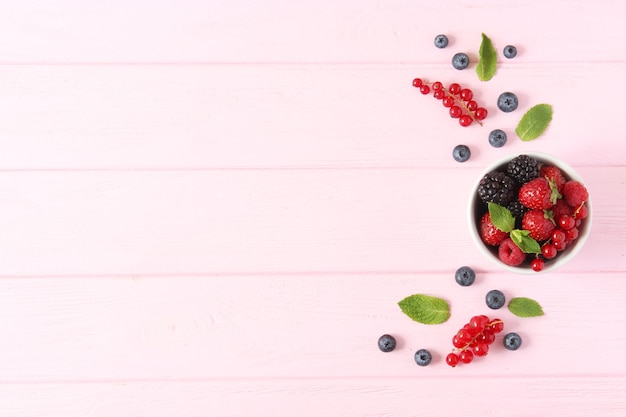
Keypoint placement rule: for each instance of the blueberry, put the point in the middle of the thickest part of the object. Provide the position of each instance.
(460, 61)
(386, 343)
(497, 138)
(423, 357)
(507, 102)
(441, 41)
(495, 299)
(510, 51)
(461, 153)
(465, 276)
(512, 341)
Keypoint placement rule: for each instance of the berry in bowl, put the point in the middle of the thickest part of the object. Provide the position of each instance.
(529, 213)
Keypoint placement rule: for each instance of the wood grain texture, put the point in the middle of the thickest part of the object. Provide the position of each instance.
(213, 208)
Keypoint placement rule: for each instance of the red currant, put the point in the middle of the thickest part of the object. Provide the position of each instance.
(548, 251)
(465, 120)
(480, 349)
(437, 85)
(466, 94)
(417, 82)
(496, 325)
(424, 89)
(471, 105)
(464, 335)
(454, 88)
(480, 113)
(452, 359)
(448, 101)
(566, 222)
(571, 234)
(581, 212)
(560, 245)
(537, 264)
(466, 356)
(479, 322)
(438, 94)
(558, 236)
(455, 112)
(457, 343)
(486, 337)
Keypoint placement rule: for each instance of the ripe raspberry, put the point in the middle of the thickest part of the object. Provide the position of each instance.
(575, 193)
(560, 208)
(510, 253)
(497, 187)
(550, 172)
(539, 224)
(537, 194)
(523, 168)
(489, 233)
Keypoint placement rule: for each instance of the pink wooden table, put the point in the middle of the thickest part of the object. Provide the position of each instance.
(211, 208)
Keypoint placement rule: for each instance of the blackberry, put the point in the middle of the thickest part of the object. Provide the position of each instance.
(523, 168)
(517, 209)
(497, 187)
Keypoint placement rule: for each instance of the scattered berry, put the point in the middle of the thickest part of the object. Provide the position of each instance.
(465, 276)
(575, 193)
(489, 233)
(507, 102)
(417, 82)
(512, 341)
(495, 299)
(452, 359)
(461, 153)
(509, 51)
(424, 89)
(497, 187)
(523, 168)
(423, 357)
(539, 224)
(537, 194)
(510, 253)
(465, 120)
(441, 41)
(386, 343)
(497, 138)
(460, 61)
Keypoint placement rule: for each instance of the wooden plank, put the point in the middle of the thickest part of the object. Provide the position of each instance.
(309, 326)
(175, 117)
(310, 398)
(246, 31)
(242, 221)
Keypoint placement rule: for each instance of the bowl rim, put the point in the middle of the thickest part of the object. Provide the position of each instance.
(562, 259)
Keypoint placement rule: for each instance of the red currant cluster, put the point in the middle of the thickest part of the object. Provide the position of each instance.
(457, 99)
(565, 233)
(474, 339)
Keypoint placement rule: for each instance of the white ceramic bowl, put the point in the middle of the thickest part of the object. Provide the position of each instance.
(474, 213)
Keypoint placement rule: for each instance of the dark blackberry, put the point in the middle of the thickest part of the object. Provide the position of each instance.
(497, 187)
(523, 168)
(517, 209)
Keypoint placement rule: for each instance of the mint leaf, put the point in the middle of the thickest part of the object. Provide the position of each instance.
(534, 122)
(425, 309)
(501, 217)
(526, 243)
(487, 58)
(525, 307)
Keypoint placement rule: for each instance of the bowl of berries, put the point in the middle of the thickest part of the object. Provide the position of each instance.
(529, 212)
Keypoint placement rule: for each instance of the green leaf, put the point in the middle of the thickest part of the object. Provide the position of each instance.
(526, 243)
(534, 122)
(425, 309)
(501, 217)
(487, 58)
(525, 307)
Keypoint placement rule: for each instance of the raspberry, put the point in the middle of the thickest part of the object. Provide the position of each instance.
(497, 187)
(560, 208)
(550, 172)
(575, 193)
(539, 224)
(537, 194)
(489, 233)
(510, 253)
(523, 168)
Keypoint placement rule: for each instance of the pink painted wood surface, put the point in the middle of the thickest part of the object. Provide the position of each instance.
(212, 208)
